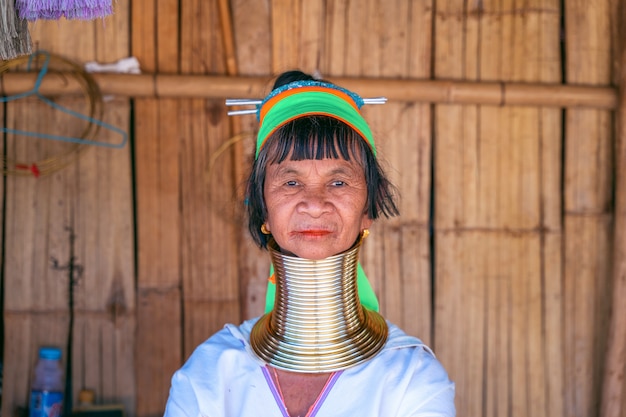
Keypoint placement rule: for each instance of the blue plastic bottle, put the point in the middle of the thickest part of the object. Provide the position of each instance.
(46, 395)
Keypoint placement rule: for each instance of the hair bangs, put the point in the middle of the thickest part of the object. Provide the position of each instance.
(314, 137)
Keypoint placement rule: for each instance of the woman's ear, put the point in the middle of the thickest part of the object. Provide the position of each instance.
(366, 222)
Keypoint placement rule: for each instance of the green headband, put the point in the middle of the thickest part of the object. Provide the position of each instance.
(304, 98)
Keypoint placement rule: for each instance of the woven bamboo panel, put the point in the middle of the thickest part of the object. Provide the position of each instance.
(587, 199)
(157, 183)
(497, 214)
(77, 218)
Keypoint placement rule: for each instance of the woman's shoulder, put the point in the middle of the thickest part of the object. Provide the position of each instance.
(399, 339)
(409, 377)
(229, 345)
(412, 358)
(219, 368)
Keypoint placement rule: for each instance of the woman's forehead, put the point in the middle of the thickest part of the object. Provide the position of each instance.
(326, 166)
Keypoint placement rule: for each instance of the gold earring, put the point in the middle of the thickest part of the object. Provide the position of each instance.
(365, 233)
(264, 229)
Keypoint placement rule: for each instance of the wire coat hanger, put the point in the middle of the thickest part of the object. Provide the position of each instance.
(92, 120)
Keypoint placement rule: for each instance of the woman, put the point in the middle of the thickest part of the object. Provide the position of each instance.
(321, 349)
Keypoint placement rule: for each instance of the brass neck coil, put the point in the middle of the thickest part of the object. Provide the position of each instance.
(318, 323)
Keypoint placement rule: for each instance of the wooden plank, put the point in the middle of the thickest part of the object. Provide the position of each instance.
(585, 308)
(160, 351)
(143, 39)
(389, 249)
(416, 285)
(587, 205)
(404, 143)
(494, 301)
(463, 290)
(396, 32)
(519, 190)
(104, 222)
(394, 35)
(552, 259)
(251, 22)
(106, 356)
(207, 263)
(158, 258)
(104, 229)
(457, 171)
(497, 317)
(285, 18)
(251, 27)
(155, 37)
(356, 54)
(312, 31)
(38, 211)
(336, 37)
(550, 206)
(459, 205)
(613, 399)
(205, 316)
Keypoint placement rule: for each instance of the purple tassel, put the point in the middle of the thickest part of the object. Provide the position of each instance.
(70, 9)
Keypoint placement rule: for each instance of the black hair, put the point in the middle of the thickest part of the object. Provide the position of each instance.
(316, 137)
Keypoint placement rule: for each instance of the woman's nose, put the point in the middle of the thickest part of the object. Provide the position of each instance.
(315, 201)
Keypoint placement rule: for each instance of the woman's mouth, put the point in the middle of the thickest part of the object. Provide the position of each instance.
(313, 233)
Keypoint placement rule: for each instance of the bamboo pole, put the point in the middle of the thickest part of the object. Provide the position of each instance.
(410, 90)
(612, 404)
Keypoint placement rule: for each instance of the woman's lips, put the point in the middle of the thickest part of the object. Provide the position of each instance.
(312, 233)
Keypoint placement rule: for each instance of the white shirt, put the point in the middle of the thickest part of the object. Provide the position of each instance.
(224, 378)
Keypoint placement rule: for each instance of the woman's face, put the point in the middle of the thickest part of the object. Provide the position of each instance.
(316, 208)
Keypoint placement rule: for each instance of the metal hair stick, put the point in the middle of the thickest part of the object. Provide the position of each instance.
(375, 100)
(241, 112)
(242, 101)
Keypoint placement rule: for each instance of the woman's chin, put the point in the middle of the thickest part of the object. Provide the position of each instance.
(314, 246)
(311, 251)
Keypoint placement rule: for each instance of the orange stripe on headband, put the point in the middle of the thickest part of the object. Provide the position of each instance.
(272, 101)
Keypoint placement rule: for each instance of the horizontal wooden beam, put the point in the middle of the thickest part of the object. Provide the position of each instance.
(405, 90)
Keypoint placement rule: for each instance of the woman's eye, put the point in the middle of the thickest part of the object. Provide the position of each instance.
(291, 183)
(338, 183)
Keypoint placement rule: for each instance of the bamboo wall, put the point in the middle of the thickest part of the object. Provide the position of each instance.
(502, 259)
(74, 223)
